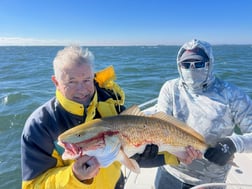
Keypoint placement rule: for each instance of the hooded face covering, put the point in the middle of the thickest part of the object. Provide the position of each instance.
(195, 77)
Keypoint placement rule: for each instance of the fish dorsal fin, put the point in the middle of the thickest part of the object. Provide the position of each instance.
(179, 124)
(133, 110)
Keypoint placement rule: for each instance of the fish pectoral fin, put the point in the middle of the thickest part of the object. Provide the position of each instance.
(131, 164)
(67, 156)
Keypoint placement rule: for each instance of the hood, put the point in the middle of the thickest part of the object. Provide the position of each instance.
(207, 48)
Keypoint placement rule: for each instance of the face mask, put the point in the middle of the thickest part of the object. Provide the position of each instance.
(194, 78)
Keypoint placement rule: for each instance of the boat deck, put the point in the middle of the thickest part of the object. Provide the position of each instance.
(237, 175)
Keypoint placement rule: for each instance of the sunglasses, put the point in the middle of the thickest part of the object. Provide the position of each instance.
(196, 64)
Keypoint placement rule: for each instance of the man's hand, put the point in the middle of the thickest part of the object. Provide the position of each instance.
(85, 168)
(191, 155)
(221, 153)
(150, 152)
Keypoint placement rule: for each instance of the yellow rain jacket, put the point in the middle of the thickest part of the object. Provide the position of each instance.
(42, 165)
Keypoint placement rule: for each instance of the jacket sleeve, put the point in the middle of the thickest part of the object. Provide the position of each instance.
(241, 107)
(60, 177)
(38, 172)
(165, 98)
(42, 166)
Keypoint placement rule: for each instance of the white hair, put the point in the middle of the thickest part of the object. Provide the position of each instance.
(71, 55)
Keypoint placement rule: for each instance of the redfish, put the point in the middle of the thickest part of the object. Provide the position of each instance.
(117, 138)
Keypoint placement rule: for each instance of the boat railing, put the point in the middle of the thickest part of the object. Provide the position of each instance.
(148, 107)
(222, 186)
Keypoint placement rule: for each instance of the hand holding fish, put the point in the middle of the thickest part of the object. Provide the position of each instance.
(192, 154)
(85, 168)
(222, 152)
(150, 152)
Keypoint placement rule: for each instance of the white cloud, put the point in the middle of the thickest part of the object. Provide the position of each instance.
(11, 41)
(19, 41)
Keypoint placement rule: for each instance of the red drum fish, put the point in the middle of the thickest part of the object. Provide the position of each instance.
(119, 137)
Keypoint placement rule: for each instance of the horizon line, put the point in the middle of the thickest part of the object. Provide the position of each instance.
(19, 41)
(108, 45)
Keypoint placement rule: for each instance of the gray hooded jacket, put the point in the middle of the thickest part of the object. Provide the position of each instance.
(213, 108)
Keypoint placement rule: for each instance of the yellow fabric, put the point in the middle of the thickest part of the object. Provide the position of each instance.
(107, 108)
(69, 105)
(77, 108)
(92, 108)
(117, 89)
(60, 161)
(62, 177)
(56, 155)
(170, 159)
(105, 79)
(104, 76)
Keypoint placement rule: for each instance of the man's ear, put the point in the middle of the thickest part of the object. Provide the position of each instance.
(54, 80)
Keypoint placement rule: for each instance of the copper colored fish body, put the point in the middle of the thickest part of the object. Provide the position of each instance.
(119, 137)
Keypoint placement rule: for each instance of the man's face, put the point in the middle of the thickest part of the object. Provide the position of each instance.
(76, 83)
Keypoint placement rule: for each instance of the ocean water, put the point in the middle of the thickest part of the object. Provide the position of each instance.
(25, 83)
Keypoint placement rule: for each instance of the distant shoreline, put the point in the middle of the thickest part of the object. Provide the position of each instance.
(119, 45)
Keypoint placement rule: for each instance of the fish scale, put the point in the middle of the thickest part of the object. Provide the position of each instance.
(150, 130)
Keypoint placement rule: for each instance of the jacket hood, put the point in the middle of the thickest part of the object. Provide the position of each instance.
(207, 49)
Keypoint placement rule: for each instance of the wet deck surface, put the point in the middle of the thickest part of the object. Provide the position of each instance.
(237, 175)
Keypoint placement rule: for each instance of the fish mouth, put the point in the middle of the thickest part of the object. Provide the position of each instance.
(78, 149)
(71, 149)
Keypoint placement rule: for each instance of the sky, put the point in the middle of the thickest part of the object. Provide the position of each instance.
(124, 22)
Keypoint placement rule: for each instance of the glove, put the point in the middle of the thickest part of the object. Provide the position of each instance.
(222, 152)
(150, 152)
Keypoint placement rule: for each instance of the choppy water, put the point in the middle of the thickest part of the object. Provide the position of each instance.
(25, 83)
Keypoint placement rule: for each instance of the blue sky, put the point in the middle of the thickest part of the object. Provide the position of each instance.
(124, 22)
